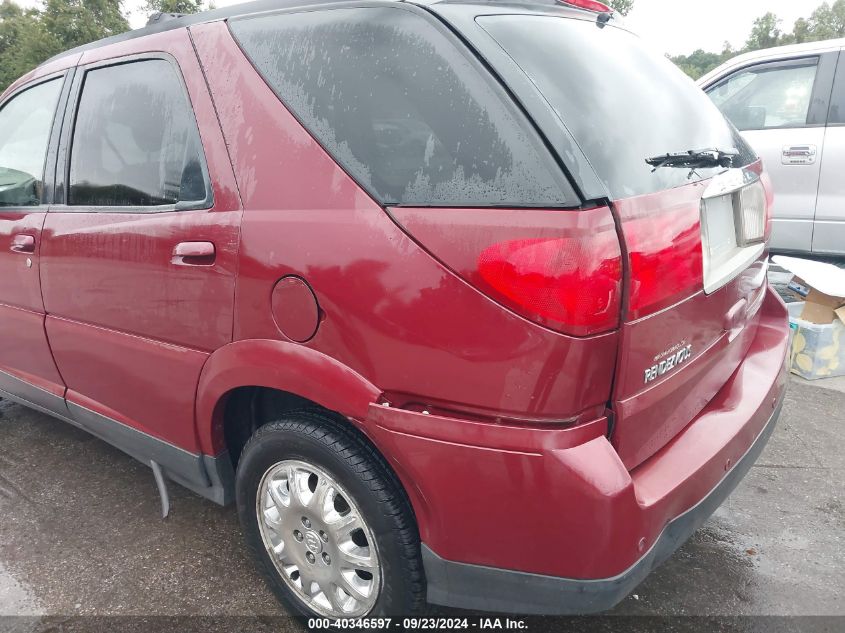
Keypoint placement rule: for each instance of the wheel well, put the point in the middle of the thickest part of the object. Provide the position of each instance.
(249, 408)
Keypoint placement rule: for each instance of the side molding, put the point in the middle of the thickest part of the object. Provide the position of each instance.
(209, 477)
(276, 365)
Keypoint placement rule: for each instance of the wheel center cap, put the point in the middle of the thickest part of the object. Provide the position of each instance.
(312, 542)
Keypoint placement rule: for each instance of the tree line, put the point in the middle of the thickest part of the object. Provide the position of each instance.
(28, 36)
(826, 22)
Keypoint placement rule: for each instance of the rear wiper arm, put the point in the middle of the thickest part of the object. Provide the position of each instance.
(694, 158)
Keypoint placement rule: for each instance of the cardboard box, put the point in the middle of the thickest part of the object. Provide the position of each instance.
(820, 285)
(821, 308)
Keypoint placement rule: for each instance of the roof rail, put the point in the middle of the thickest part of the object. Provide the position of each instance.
(159, 16)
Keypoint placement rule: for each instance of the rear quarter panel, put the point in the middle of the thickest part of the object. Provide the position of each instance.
(390, 311)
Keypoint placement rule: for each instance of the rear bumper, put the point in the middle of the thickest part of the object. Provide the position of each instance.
(490, 589)
(549, 521)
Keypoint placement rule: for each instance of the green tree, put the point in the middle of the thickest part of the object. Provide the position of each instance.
(174, 6)
(701, 62)
(621, 6)
(765, 33)
(29, 36)
(801, 32)
(827, 22)
(76, 22)
(23, 42)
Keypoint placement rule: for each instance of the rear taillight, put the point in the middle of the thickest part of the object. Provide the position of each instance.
(663, 238)
(562, 269)
(571, 284)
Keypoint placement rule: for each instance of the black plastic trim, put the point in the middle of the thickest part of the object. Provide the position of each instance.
(500, 590)
(822, 90)
(183, 467)
(836, 112)
(212, 477)
(29, 395)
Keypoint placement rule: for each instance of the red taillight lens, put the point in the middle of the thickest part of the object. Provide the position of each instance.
(589, 5)
(663, 237)
(570, 284)
(562, 269)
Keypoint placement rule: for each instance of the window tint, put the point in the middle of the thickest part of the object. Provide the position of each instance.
(768, 96)
(837, 101)
(135, 142)
(25, 124)
(622, 102)
(401, 108)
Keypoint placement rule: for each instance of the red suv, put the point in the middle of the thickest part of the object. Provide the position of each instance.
(460, 302)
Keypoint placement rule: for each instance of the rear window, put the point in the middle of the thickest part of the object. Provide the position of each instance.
(402, 108)
(621, 102)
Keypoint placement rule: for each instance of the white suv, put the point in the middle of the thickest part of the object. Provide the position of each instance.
(789, 103)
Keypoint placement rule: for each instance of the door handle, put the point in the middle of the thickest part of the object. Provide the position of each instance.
(23, 244)
(194, 254)
(799, 154)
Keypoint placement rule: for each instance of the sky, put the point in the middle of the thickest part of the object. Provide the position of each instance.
(672, 26)
(682, 26)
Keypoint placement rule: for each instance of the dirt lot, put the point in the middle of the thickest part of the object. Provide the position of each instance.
(80, 534)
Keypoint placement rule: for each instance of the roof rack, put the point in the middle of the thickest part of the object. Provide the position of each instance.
(159, 16)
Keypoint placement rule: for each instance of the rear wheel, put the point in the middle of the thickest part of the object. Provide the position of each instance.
(331, 528)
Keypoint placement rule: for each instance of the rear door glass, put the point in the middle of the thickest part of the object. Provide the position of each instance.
(135, 141)
(621, 101)
(402, 108)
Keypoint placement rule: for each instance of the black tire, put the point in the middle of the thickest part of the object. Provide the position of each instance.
(319, 438)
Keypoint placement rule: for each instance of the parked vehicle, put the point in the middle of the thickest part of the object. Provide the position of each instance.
(789, 104)
(447, 322)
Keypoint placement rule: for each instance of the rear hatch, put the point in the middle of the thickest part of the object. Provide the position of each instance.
(692, 237)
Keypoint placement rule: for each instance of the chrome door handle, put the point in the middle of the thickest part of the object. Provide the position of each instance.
(799, 154)
(23, 244)
(194, 254)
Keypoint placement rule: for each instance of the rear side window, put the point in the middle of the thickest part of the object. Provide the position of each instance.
(402, 109)
(135, 141)
(622, 102)
(25, 124)
(767, 96)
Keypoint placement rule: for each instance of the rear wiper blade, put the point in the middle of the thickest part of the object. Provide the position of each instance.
(694, 158)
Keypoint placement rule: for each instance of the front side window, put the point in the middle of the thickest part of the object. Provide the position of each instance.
(135, 141)
(401, 108)
(25, 124)
(768, 96)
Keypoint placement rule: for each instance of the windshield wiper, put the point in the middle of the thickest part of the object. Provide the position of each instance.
(693, 159)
